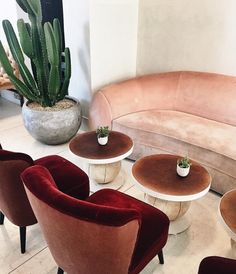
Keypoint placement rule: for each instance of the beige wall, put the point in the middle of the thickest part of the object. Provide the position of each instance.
(113, 40)
(187, 35)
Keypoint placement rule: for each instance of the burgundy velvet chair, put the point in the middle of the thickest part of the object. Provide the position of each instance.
(13, 200)
(217, 265)
(108, 232)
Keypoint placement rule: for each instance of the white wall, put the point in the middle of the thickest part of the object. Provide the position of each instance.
(187, 35)
(113, 36)
(7, 11)
(76, 23)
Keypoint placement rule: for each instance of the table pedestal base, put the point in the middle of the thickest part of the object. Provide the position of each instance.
(104, 173)
(180, 224)
(105, 176)
(176, 212)
(116, 184)
(233, 246)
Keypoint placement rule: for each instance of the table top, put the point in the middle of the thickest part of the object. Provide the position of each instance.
(85, 145)
(227, 210)
(156, 175)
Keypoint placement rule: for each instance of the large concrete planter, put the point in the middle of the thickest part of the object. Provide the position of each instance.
(52, 127)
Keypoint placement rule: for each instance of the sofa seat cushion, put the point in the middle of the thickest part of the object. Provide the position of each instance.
(177, 132)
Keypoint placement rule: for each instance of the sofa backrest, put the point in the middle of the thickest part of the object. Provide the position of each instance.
(208, 95)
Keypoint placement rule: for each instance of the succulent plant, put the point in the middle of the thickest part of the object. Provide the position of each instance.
(102, 132)
(48, 82)
(184, 162)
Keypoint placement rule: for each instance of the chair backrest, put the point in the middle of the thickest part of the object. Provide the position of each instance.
(13, 200)
(83, 237)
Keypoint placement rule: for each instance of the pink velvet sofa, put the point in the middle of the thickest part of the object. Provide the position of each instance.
(184, 113)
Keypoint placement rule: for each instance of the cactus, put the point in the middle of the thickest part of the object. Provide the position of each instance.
(47, 83)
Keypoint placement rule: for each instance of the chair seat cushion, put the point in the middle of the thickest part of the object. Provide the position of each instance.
(153, 230)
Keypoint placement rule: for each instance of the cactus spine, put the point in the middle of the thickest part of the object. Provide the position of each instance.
(43, 45)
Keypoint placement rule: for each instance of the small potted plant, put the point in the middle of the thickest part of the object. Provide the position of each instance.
(183, 166)
(102, 135)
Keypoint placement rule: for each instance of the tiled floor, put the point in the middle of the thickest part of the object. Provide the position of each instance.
(182, 253)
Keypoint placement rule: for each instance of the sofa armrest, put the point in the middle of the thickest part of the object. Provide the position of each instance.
(100, 113)
(69, 178)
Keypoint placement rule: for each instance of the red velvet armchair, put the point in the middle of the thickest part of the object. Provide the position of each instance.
(14, 203)
(107, 232)
(217, 265)
(13, 200)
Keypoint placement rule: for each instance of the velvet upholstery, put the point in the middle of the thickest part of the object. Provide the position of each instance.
(109, 232)
(173, 113)
(13, 200)
(65, 174)
(217, 265)
(14, 203)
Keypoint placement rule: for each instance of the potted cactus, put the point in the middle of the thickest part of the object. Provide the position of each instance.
(49, 114)
(183, 166)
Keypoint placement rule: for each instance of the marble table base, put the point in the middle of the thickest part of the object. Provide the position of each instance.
(176, 211)
(105, 176)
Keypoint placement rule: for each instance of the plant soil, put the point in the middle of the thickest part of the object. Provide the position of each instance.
(62, 104)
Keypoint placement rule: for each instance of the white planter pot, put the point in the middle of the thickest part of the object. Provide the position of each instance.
(53, 127)
(181, 171)
(102, 140)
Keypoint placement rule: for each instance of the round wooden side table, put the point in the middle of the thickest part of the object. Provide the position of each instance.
(156, 176)
(227, 213)
(103, 162)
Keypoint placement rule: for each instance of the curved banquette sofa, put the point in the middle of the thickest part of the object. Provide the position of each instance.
(184, 113)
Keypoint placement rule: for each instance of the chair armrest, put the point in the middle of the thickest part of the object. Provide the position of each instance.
(69, 178)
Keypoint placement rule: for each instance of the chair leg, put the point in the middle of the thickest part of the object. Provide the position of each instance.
(60, 271)
(1, 218)
(22, 238)
(161, 258)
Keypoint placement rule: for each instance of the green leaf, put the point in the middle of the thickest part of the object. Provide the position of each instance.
(22, 88)
(35, 6)
(58, 35)
(25, 38)
(22, 5)
(18, 56)
(51, 45)
(5, 61)
(13, 41)
(67, 63)
(64, 89)
(54, 82)
(25, 6)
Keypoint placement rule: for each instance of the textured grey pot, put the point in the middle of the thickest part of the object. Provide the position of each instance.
(53, 127)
